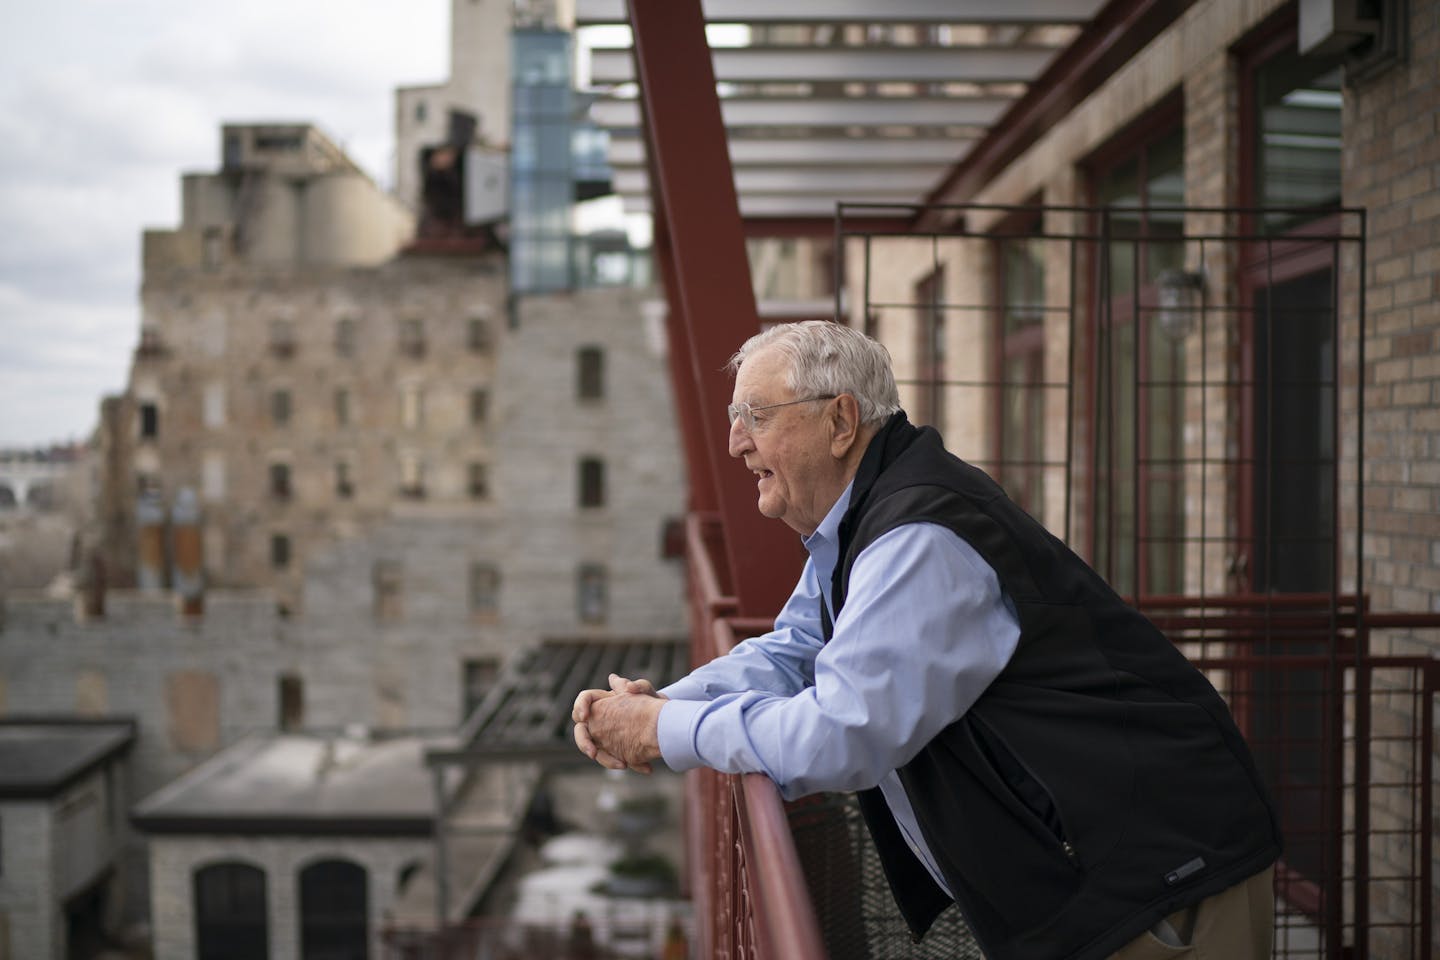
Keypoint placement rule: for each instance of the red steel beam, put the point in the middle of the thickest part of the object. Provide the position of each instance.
(692, 179)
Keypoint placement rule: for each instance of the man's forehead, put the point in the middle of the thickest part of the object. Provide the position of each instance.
(763, 368)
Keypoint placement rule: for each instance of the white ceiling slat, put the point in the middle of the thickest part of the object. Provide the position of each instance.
(811, 152)
(807, 181)
(878, 64)
(841, 100)
(838, 112)
(596, 12)
(775, 205)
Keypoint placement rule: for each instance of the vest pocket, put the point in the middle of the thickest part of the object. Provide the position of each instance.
(1028, 793)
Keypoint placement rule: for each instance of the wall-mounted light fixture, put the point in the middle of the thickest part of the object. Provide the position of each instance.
(1181, 297)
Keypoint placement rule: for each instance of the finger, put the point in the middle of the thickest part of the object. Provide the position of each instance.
(644, 687)
(591, 749)
(583, 741)
(618, 683)
(608, 761)
(581, 711)
(644, 768)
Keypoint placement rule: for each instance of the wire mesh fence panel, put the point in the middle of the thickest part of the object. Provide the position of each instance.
(858, 916)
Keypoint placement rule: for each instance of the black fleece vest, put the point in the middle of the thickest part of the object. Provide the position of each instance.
(1099, 784)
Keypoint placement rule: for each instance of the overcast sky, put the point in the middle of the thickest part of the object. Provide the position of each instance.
(104, 103)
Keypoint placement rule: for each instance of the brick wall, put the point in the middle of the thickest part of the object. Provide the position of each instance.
(1392, 168)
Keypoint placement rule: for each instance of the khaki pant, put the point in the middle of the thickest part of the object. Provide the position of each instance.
(1234, 924)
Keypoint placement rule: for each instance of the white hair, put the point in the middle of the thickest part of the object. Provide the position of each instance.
(826, 358)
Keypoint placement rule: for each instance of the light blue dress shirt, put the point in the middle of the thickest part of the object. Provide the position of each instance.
(925, 629)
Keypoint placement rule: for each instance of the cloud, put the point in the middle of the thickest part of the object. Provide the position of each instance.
(58, 359)
(103, 105)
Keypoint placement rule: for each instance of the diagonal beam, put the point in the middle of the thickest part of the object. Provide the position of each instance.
(702, 219)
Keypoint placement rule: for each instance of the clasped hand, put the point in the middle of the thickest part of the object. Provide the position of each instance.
(617, 728)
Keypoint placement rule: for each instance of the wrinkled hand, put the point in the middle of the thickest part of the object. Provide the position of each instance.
(634, 746)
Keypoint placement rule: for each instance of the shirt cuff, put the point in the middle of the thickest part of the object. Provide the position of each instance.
(684, 689)
(675, 729)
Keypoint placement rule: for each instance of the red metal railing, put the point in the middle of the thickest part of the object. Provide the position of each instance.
(744, 873)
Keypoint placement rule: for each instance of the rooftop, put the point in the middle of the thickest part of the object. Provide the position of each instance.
(42, 756)
(302, 784)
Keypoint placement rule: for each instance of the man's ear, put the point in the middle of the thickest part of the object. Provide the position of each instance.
(844, 425)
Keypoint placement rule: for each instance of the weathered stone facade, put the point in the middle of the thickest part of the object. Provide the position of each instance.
(348, 482)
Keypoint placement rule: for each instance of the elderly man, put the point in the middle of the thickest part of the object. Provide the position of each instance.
(1026, 744)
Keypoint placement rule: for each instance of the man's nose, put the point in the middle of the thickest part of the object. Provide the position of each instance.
(739, 438)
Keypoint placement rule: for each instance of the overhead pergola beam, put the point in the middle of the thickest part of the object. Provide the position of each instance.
(601, 12)
(999, 64)
(871, 152)
(828, 112)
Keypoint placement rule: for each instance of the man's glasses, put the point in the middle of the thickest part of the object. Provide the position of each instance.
(746, 413)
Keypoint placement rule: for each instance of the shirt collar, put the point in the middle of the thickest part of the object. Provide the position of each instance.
(829, 530)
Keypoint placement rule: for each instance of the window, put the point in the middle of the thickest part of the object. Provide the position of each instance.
(292, 702)
(591, 593)
(212, 248)
(930, 350)
(280, 407)
(280, 481)
(592, 482)
(1019, 339)
(279, 551)
(231, 917)
(278, 142)
(479, 405)
(672, 539)
(478, 679)
(412, 477)
(412, 337)
(213, 413)
(345, 337)
(412, 406)
(1295, 138)
(1139, 429)
(420, 111)
(484, 590)
(386, 583)
(282, 338)
(344, 484)
(590, 373)
(1287, 329)
(478, 335)
(334, 910)
(212, 476)
(479, 481)
(342, 407)
(149, 420)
